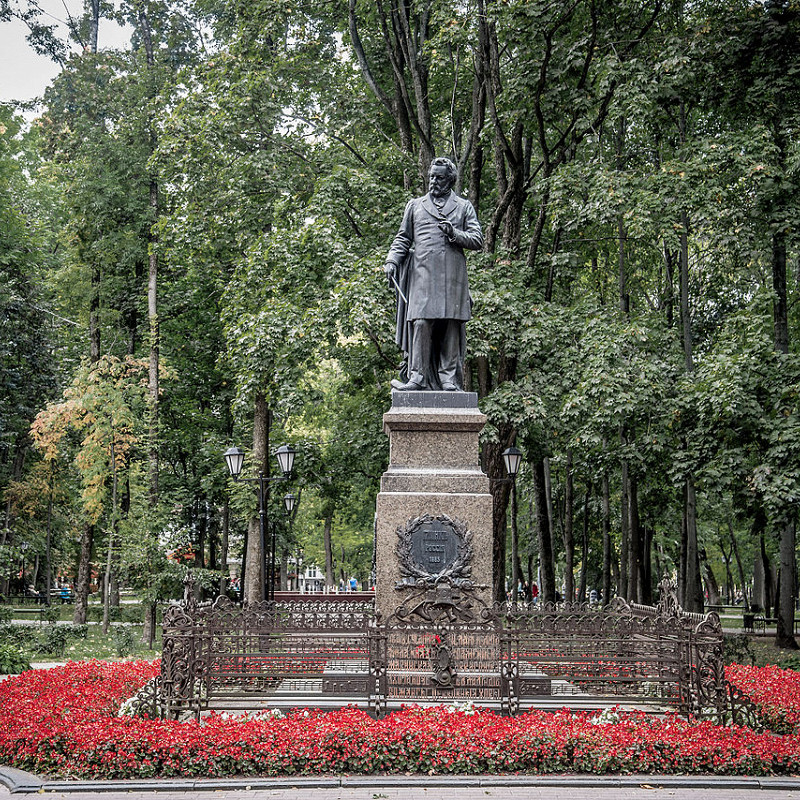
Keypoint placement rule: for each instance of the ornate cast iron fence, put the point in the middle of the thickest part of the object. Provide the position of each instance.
(221, 654)
(442, 645)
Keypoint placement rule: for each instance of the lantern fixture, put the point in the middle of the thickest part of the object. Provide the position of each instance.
(234, 458)
(285, 455)
(512, 457)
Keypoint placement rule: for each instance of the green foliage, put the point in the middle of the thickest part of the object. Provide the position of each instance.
(17, 635)
(12, 661)
(52, 640)
(738, 650)
(789, 662)
(597, 140)
(123, 638)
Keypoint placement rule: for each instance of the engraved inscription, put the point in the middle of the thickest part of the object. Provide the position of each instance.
(434, 546)
(431, 548)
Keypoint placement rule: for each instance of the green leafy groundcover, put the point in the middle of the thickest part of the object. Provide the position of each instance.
(65, 722)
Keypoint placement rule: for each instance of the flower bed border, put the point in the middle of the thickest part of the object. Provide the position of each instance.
(63, 722)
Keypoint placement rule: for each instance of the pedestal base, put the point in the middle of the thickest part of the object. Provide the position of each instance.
(433, 470)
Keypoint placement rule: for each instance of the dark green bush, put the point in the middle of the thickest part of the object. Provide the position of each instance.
(12, 661)
(123, 638)
(791, 661)
(17, 635)
(738, 650)
(75, 632)
(52, 640)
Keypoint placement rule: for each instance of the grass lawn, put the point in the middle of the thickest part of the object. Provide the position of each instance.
(40, 640)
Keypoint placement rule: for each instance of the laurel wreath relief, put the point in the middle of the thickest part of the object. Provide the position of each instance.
(459, 570)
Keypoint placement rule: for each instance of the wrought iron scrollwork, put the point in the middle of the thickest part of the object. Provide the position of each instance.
(445, 643)
(148, 702)
(444, 669)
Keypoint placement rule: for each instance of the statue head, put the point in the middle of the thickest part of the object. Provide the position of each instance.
(441, 176)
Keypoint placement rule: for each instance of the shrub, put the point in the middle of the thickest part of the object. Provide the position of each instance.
(52, 640)
(52, 614)
(18, 635)
(789, 662)
(75, 632)
(12, 661)
(123, 639)
(6, 614)
(738, 650)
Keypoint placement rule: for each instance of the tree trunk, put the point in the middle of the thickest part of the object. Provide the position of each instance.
(606, 541)
(622, 270)
(94, 24)
(326, 535)
(284, 581)
(585, 546)
(710, 581)
(682, 560)
(788, 530)
(784, 636)
(501, 492)
(569, 533)
(223, 548)
(255, 577)
(729, 582)
(211, 527)
(624, 518)
(111, 541)
(148, 633)
(49, 542)
(546, 565)
(647, 565)
(693, 600)
(84, 576)
(635, 555)
(201, 528)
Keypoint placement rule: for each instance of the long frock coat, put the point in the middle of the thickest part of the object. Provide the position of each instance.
(434, 272)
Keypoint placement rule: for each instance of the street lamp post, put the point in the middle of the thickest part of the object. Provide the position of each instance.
(234, 457)
(289, 506)
(513, 457)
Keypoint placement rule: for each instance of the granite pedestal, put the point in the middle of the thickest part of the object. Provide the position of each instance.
(433, 470)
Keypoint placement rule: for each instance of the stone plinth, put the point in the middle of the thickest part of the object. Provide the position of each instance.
(433, 470)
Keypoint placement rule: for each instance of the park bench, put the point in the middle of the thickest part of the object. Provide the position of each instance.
(37, 610)
(761, 623)
(23, 600)
(721, 608)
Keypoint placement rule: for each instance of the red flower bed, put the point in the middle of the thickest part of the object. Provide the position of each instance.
(775, 692)
(62, 721)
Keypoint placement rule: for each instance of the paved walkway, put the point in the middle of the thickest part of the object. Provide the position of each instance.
(14, 783)
(434, 793)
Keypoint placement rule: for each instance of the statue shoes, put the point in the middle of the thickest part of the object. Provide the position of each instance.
(411, 386)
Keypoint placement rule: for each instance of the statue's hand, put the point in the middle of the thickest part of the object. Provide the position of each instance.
(390, 271)
(447, 228)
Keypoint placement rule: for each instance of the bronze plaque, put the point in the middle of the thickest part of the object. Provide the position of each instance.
(434, 546)
(430, 548)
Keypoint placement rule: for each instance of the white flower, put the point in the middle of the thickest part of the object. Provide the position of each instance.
(608, 716)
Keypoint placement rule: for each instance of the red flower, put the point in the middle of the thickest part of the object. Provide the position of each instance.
(64, 722)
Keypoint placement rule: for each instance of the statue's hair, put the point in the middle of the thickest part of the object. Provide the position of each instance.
(452, 172)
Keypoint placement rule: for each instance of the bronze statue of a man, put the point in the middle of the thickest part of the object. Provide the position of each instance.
(427, 266)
